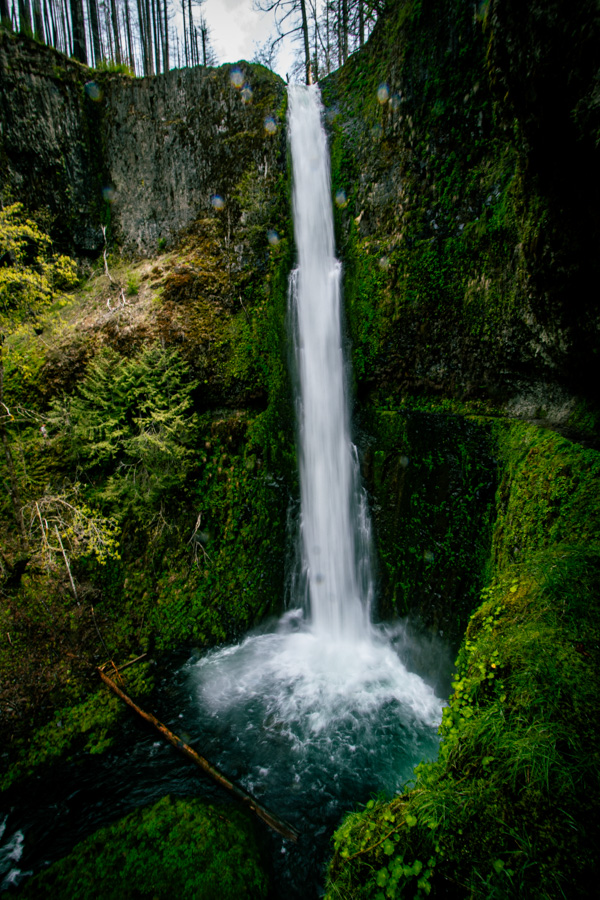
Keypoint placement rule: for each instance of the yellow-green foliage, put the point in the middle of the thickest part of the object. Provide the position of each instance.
(29, 272)
(175, 848)
(508, 808)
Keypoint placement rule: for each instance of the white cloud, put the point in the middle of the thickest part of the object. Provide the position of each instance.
(236, 28)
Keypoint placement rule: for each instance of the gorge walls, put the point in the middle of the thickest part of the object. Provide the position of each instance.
(465, 148)
(141, 156)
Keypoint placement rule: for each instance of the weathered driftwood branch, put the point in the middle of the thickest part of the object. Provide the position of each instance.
(274, 822)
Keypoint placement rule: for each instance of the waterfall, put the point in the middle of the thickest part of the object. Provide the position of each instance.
(334, 526)
(316, 712)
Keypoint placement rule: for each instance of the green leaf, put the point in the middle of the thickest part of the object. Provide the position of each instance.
(382, 877)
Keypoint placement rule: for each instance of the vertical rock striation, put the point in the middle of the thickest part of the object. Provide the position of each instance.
(142, 156)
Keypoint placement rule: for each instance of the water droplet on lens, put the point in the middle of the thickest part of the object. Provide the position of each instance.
(93, 91)
(270, 126)
(272, 237)
(236, 77)
(340, 199)
(109, 193)
(383, 92)
(217, 201)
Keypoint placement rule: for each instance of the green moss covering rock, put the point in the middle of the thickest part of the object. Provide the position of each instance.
(432, 478)
(507, 809)
(88, 726)
(465, 241)
(181, 848)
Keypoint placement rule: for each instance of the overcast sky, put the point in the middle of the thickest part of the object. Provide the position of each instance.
(236, 28)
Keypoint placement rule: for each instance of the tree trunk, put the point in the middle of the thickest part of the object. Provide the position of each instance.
(5, 15)
(38, 22)
(361, 23)
(50, 23)
(79, 49)
(307, 68)
(65, 35)
(327, 41)
(193, 60)
(129, 39)
(95, 29)
(25, 18)
(166, 62)
(110, 50)
(185, 37)
(115, 29)
(149, 48)
(247, 799)
(155, 15)
(316, 58)
(142, 24)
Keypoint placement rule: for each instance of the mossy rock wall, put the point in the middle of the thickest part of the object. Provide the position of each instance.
(142, 156)
(431, 478)
(180, 847)
(177, 141)
(51, 151)
(508, 807)
(465, 238)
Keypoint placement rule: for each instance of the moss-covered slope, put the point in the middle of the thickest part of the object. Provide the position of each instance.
(508, 808)
(149, 433)
(175, 846)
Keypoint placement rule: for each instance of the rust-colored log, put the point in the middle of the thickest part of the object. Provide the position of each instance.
(273, 821)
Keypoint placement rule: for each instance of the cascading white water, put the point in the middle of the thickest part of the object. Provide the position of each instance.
(335, 549)
(320, 711)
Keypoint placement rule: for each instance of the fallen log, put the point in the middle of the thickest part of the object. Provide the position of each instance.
(273, 821)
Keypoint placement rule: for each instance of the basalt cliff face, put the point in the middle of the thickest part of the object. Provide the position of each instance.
(465, 145)
(144, 157)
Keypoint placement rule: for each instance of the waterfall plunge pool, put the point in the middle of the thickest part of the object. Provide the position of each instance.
(311, 728)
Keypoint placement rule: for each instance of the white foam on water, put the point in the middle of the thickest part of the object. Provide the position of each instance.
(10, 853)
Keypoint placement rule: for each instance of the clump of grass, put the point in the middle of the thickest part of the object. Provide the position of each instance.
(107, 65)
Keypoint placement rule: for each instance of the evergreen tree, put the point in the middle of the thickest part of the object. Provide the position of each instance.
(130, 428)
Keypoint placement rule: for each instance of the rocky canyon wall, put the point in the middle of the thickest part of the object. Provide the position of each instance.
(144, 157)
